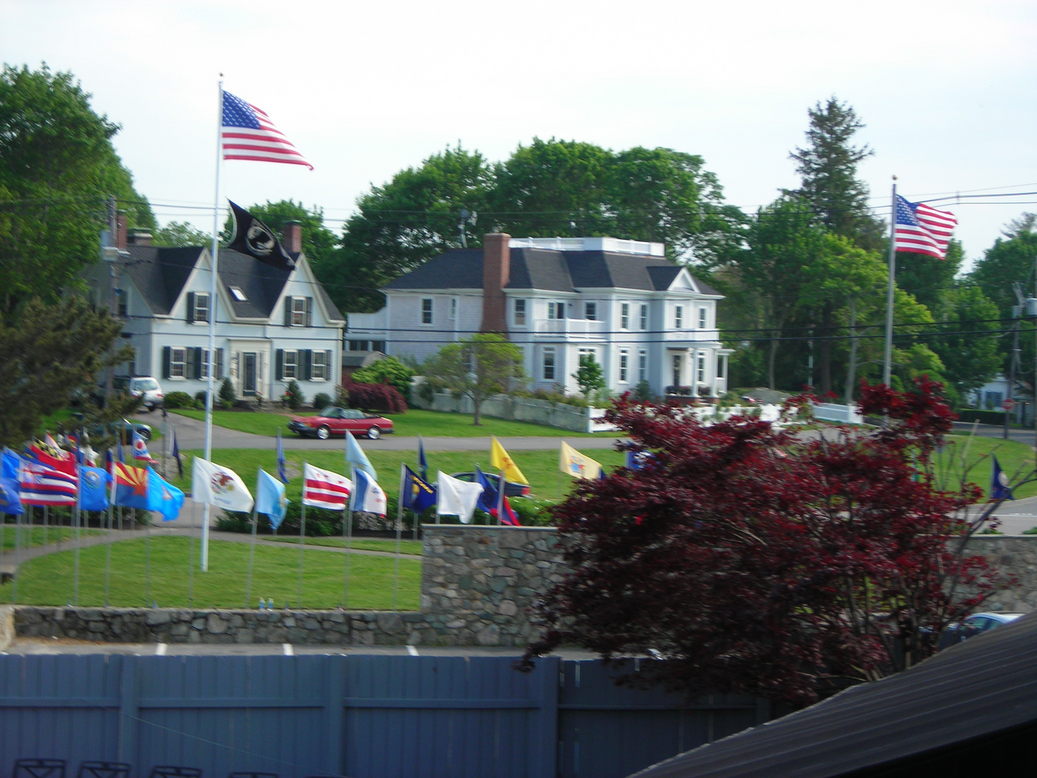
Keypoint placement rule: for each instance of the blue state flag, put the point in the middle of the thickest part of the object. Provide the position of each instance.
(489, 498)
(93, 488)
(10, 465)
(282, 472)
(418, 494)
(356, 457)
(422, 462)
(163, 496)
(10, 501)
(176, 455)
(999, 487)
(270, 498)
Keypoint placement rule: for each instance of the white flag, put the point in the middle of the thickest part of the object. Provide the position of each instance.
(368, 496)
(219, 486)
(455, 497)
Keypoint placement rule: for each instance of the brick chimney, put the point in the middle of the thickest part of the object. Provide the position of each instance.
(120, 230)
(496, 270)
(292, 233)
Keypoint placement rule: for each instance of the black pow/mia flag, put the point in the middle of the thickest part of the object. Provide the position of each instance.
(254, 238)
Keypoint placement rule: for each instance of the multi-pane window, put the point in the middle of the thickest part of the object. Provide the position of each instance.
(290, 364)
(624, 316)
(642, 365)
(548, 371)
(590, 311)
(703, 317)
(519, 313)
(678, 316)
(700, 370)
(675, 366)
(199, 307)
(426, 310)
(556, 309)
(319, 366)
(624, 365)
(644, 317)
(178, 363)
(299, 308)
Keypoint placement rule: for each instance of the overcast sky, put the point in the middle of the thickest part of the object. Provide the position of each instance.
(946, 89)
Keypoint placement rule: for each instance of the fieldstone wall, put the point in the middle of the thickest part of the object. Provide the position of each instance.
(478, 584)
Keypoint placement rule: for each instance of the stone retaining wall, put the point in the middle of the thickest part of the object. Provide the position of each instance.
(477, 586)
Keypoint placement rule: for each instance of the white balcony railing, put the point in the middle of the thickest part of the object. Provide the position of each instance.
(575, 329)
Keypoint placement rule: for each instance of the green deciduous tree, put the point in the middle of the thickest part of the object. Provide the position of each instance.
(181, 234)
(477, 367)
(48, 352)
(970, 334)
(589, 377)
(387, 370)
(318, 242)
(57, 169)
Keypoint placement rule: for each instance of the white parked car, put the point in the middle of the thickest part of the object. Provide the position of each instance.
(144, 387)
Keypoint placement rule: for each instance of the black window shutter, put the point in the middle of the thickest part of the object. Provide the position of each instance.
(327, 362)
(219, 363)
(190, 306)
(288, 312)
(309, 311)
(307, 364)
(195, 363)
(279, 365)
(166, 358)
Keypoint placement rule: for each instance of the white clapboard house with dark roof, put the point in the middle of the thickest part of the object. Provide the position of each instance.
(639, 315)
(272, 324)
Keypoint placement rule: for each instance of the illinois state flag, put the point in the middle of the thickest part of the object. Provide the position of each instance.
(219, 486)
(324, 489)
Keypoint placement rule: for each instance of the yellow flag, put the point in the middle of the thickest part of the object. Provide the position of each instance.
(500, 459)
(578, 465)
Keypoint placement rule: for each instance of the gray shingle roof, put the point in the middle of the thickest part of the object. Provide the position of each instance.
(160, 273)
(547, 270)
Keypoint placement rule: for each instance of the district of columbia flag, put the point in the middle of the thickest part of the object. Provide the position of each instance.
(368, 496)
(325, 489)
(270, 498)
(248, 133)
(219, 486)
(500, 459)
(578, 465)
(921, 229)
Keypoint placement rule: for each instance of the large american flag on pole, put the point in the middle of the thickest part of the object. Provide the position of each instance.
(921, 229)
(248, 133)
(325, 489)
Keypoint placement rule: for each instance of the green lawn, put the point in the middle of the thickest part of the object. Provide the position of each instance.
(158, 571)
(411, 547)
(969, 457)
(414, 422)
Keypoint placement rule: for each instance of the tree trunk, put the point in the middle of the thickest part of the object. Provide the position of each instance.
(851, 367)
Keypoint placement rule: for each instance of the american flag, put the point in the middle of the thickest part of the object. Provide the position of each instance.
(922, 229)
(325, 489)
(248, 133)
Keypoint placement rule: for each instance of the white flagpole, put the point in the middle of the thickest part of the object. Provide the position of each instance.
(211, 361)
(887, 357)
(399, 537)
(347, 533)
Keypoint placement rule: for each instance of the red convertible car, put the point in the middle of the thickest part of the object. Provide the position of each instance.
(338, 421)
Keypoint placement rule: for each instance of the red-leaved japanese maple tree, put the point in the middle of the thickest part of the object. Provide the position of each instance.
(764, 561)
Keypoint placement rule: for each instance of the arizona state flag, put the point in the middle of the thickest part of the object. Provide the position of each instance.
(131, 486)
(254, 238)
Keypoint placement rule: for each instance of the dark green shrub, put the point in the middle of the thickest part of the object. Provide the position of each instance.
(175, 400)
(293, 397)
(321, 400)
(387, 370)
(199, 399)
(228, 397)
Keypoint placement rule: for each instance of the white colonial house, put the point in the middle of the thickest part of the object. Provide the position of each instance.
(272, 324)
(639, 315)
